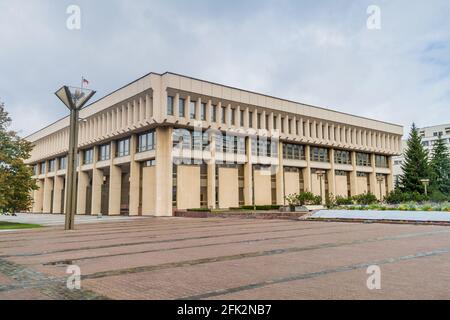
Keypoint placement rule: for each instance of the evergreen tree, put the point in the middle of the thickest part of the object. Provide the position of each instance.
(415, 167)
(440, 167)
(16, 183)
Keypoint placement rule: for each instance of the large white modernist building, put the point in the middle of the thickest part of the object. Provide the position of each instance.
(167, 141)
(429, 136)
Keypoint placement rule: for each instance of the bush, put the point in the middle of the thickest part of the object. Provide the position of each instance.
(330, 201)
(268, 207)
(199, 210)
(437, 196)
(343, 201)
(365, 198)
(396, 197)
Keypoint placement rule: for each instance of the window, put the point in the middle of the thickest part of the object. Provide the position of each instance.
(88, 156)
(233, 114)
(319, 154)
(262, 146)
(104, 152)
(203, 112)
(170, 106)
(340, 173)
(282, 125)
(224, 115)
(147, 141)
(51, 165)
(293, 151)
(43, 168)
(241, 116)
(363, 159)
(425, 143)
(181, 107)
(381, 161)
(192, 114)
(250, 119)
(191, 140)
(259, 121)
(230, 144)
(35, 170)
(123, 147)
(213, 113)
(342, 157)
(62, 163)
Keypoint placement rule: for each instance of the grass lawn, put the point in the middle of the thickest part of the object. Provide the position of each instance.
(12, 225)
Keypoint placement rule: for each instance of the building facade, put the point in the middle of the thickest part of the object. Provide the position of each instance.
(167, 141)
(429, 136)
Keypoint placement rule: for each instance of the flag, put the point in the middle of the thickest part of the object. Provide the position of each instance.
(85, 81)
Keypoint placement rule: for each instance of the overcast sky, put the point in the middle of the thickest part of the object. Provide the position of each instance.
(316, 52)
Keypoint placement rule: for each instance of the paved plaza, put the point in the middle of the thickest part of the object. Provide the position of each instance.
(181, 258)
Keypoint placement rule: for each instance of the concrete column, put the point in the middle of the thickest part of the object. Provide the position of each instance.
(248, 174)
(307, 170)
(47, 199)
(97, 182)
(134, 178)
(211, 165)
(58, 186)
(280, 175)
(353, 176)
(38, 197)
(390, 176)
(115, 185)
(163, 174)
(83, 181)
(373, 176)
(176, 105)
(198, 109)
(331, 175)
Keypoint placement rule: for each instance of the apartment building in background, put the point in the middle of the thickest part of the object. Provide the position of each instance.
(429, 136)
(168, 141)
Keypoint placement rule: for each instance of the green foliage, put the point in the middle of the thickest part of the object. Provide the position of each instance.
(16, 183)
(415, 167)
(199, 210)
(365, 198)
(397, 196)
(343, 201)
(440, 168)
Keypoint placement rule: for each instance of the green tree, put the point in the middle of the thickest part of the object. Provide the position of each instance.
(415, 167)
(440, 167)
(16, 183)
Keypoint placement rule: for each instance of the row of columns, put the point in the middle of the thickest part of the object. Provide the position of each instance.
(163, 180)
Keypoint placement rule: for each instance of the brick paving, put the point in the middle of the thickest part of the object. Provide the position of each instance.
(184, 258)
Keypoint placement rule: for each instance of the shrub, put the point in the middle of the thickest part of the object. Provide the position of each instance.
(395, 197)
(343, 201)
(305, 198)
(199, 210)
(267, 207)
(437, 196)
(292, 199)
(365, 198)
(330, 201)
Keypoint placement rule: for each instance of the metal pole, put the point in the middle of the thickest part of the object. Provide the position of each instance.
(71, 205)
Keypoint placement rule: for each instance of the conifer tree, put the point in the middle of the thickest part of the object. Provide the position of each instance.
(440, 167)
(415, 167)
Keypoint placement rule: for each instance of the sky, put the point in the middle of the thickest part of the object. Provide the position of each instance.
(316, 52)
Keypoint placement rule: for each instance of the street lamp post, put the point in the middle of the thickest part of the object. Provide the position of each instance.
(426, 183)
(74, 99)
(320, 174)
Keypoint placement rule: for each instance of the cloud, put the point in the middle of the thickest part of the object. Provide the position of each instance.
(318, 52)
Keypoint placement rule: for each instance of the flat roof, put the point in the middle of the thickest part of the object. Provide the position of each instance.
(30, 136)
